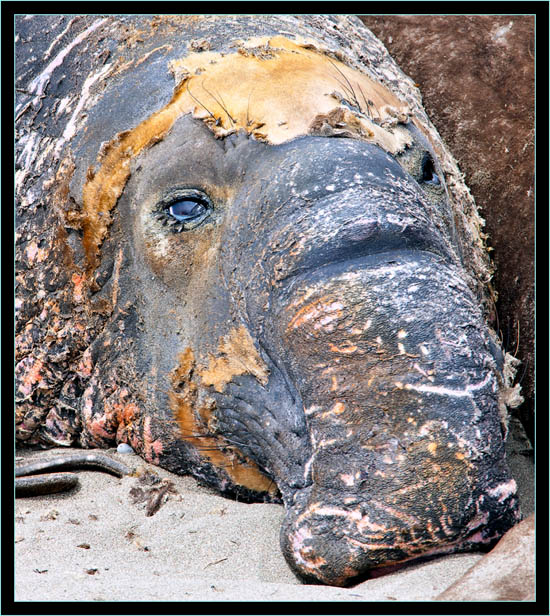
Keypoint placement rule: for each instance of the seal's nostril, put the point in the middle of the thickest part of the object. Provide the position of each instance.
(429, 175)
(316, 557)
(331, 544)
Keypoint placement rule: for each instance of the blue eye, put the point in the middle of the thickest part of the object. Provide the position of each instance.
(187, 209)
(183, 209)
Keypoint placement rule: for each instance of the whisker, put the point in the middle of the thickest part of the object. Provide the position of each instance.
(348, 82)
(225, 109)
(232, 441)
(220, 103)
(517, 345)
(365, 99)
(377, 110)
(497, 324)
(526, 364)
(347, 91)
(198, 101)
(247, 109)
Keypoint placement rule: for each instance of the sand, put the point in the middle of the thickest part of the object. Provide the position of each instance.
(96, 544)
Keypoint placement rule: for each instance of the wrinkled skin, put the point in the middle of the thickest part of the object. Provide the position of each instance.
(313, 339)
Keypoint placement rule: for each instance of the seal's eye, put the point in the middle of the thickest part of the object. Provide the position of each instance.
(184, 209)
(429, 176)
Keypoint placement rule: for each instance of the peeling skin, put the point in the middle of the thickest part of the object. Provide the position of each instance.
(275, 99)
(103, 188)
(193, 423)
(278, 92)
(238, 356)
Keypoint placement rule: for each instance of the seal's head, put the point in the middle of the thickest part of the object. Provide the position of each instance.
(285, 306)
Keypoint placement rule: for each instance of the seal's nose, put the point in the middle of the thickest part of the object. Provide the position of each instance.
(332, 539)
(320, 546)
(314, 552)
(383, 509)
(400, 394)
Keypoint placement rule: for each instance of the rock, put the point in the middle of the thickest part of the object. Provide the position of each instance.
(506, 573)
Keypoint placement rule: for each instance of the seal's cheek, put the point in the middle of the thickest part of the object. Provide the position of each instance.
(176, 256)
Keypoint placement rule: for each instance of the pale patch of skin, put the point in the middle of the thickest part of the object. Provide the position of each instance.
(274, 88)
(283, 91)
(238, 356)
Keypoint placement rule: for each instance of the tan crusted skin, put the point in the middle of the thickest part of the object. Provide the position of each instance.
(238, 356)
(193, 422)
(273, 88)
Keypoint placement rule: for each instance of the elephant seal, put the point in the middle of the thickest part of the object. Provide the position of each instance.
(244, 250)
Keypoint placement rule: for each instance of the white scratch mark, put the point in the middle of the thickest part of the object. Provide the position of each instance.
(503, 490)
(467, 392)
(70, 128)
(50, 48)
(38, 84)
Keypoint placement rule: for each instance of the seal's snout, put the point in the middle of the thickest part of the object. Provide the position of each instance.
(337, 544)
(400, 386)
(317, 556)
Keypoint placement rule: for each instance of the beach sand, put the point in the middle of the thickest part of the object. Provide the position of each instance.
(96, 543)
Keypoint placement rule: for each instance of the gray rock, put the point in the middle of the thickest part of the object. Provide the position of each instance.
(506, 573)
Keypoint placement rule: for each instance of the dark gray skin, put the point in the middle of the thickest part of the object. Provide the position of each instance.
(378, 418)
